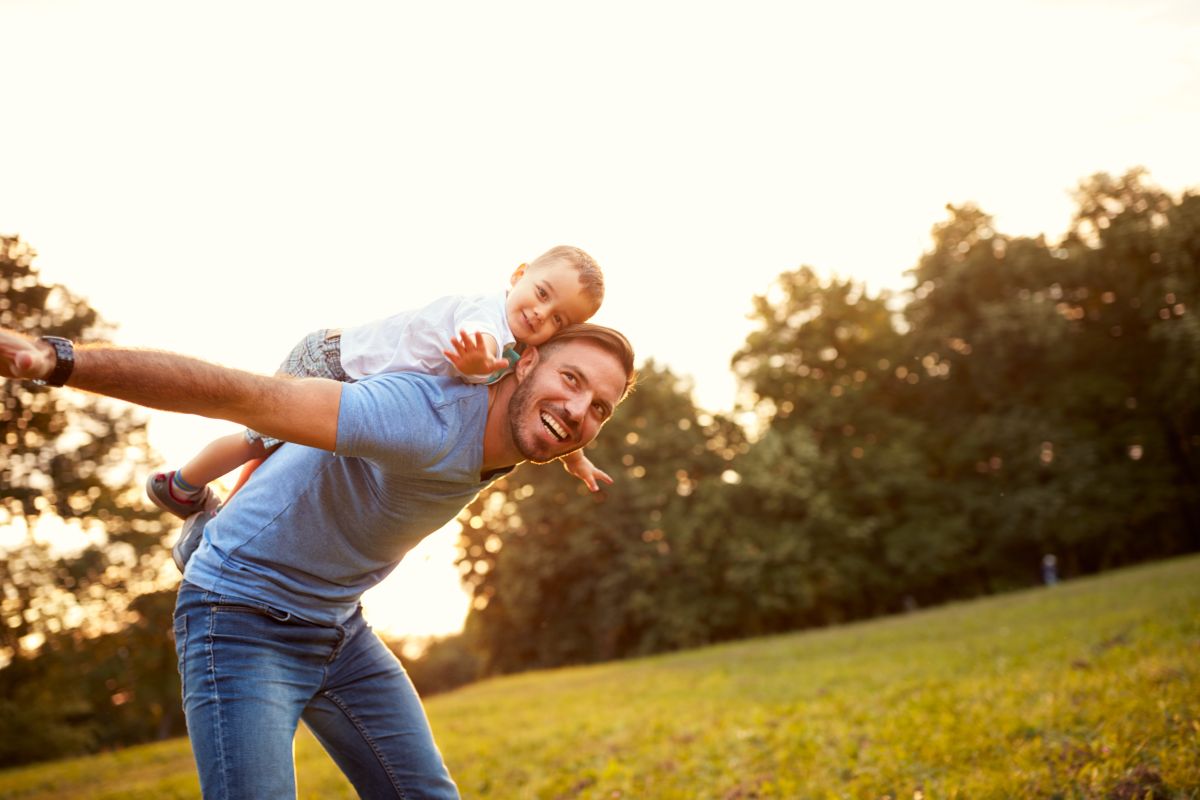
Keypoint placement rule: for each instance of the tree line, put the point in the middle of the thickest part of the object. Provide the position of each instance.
(1021, 397)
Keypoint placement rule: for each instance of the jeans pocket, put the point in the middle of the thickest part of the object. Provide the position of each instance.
(262, 609)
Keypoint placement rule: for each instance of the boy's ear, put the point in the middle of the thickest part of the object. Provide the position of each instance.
(518, 273)
(529, 360)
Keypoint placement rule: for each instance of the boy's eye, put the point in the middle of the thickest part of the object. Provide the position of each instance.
(541, 293)
(558, 321)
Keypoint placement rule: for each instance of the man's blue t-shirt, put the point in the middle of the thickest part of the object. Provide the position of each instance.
(311, 531)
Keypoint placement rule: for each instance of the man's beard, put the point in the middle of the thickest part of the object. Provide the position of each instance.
(528, 444)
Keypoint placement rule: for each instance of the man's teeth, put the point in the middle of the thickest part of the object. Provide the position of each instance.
(553, 426)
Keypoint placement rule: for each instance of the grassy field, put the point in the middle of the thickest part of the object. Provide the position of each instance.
(1090, 689)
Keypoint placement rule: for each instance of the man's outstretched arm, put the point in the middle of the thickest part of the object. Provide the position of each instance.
(300, 410)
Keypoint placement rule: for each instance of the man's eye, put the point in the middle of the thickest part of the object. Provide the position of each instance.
(569, 378)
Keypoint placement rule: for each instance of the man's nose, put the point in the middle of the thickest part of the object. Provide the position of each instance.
(576, 406)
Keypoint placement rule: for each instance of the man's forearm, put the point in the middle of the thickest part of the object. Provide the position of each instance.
(166, 381)
(295, 410)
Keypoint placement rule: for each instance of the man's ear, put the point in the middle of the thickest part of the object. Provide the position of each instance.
(528, 361)
(518, 273)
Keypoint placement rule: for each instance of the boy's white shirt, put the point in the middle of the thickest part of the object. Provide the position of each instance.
(414, 340)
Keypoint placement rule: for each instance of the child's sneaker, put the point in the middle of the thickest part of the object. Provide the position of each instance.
(158, 489)
(193, 532)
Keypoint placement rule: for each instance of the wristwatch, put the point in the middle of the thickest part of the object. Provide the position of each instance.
(64, 361)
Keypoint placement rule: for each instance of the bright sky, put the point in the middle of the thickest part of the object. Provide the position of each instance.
(219, 178)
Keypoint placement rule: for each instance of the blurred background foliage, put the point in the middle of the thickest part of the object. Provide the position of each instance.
(85, 609)
(1020, 398)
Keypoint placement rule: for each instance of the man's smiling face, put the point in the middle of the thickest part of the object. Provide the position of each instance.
(563, 399)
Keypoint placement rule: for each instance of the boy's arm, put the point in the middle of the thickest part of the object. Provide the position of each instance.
(581, 467)
(304, 411)
(475, 356)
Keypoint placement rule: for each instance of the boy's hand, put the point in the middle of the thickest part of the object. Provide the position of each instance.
(21, 357)
(473, 355)
(578, 465)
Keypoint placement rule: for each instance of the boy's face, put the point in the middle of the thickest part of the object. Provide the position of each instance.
(545, 300)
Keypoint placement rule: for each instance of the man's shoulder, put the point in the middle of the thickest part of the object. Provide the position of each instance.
(417, 393)
(412, 419)
(423, 384)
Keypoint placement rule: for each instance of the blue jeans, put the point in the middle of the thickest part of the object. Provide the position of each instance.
(251, 672)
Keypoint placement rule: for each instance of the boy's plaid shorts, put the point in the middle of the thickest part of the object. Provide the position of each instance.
(317, 355)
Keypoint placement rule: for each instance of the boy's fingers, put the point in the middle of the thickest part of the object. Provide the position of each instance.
(604, 476)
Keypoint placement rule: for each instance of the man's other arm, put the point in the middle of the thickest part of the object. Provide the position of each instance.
(300, 410)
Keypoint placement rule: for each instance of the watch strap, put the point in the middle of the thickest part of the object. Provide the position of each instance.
(64, 361)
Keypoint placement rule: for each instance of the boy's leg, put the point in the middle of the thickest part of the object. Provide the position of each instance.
(247, 674)
(185, 491)
(369, 718)
(219, 457)
(317, 355)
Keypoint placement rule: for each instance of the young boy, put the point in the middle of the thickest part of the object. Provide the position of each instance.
(467, 336)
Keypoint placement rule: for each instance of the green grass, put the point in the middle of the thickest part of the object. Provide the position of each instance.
(1087, 690)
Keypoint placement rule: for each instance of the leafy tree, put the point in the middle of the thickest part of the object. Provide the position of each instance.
(82, 694)
(560, 575)
(837, 379)
(67, 468)
(1058, 366)
(1028, 398)
(1033, 398)
(1134, 291)
(991, 405)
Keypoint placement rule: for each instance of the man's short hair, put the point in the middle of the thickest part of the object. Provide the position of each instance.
(607, 339)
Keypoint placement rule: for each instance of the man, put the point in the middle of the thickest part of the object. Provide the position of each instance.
(267, 625)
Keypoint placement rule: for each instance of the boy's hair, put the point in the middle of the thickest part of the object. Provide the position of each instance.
(607, 339)
(591, 279)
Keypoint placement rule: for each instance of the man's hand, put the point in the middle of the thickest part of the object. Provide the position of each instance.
(22, 357)
(578, 465)
(473, 355)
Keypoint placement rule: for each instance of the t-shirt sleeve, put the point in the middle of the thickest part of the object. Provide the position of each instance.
(391, 419)
(483, 315)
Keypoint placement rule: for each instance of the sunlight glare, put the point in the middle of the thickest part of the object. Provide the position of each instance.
(423, 596)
